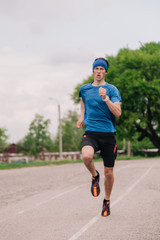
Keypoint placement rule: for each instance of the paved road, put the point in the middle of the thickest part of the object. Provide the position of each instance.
(55, 203)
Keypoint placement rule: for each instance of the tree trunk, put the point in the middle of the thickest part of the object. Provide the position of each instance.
(128, 148)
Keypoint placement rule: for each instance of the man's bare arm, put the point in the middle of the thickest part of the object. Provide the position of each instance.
(80, 121)
(115, 107)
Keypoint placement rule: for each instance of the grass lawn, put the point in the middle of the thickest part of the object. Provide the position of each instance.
(38, 163)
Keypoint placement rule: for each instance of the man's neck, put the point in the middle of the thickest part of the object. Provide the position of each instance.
(99, 83)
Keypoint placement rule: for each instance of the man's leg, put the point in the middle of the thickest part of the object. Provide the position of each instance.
(87, 156)
(108, 184)
(108, 181)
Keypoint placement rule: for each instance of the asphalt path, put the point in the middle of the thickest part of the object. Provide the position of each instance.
(55, 203)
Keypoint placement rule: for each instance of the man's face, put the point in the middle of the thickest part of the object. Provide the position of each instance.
(99, 73)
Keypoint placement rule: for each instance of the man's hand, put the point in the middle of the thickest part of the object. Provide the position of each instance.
(80, 123)
(102, 92)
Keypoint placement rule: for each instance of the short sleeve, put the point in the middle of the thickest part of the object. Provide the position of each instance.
(115, 95)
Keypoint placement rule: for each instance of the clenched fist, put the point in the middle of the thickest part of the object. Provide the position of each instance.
(102, 92)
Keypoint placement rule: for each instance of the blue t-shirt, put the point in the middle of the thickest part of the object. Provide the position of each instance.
(98, 117)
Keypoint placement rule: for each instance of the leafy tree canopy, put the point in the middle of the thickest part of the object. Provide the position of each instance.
(71, 136)
(38, 137)
(136, 73)
(3, 139)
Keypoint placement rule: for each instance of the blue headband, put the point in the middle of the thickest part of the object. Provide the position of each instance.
(100, 62)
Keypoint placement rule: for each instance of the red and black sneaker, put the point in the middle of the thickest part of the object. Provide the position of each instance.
(95, 189)
(106, 208)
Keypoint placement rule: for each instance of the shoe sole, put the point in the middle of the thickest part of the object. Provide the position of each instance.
(94, 191)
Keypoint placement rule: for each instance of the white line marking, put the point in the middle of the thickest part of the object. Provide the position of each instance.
(63, 193)
(131, 187)
(60, 194)
(52, 198)
(21, 212)
(96, 218)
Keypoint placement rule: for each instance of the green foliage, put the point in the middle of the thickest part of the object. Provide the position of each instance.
(71, 136)
(35, 163)
(75, 95)
(3, 139)
(38, 137)
(138, 147)
(136, 73)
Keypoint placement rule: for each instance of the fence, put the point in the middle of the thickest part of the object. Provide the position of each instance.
(148, 151)
(14, 157)
(47, 156)
(55, 156)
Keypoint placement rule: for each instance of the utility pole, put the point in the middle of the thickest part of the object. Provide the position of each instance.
(59, 128)
(60, 132)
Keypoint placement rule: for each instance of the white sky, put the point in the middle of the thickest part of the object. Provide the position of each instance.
(47, 47)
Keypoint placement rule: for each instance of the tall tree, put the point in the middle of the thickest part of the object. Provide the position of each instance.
(71, 136)
(136, 73)
(38, 137)
(3, 139)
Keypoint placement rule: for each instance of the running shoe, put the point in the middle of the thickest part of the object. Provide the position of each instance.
(95, 189)
(106, 208)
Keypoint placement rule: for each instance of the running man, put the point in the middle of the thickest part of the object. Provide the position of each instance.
(100, 105)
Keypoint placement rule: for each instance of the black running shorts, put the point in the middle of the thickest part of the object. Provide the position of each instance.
(105, 142)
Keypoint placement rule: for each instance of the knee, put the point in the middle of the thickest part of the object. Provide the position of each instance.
(87, 158)
(87, 155)
(108, 173)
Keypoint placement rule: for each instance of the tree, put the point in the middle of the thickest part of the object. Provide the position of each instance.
(71, 136)
(3, 139)
(38, 137)
(136, 73)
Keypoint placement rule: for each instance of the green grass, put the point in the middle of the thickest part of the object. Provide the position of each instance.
(129, 158)
(38, 163)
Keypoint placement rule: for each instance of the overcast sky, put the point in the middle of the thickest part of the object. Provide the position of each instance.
(47, 47)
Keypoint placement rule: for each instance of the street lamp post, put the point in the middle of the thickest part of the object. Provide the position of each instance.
(60, 132)
(60, 128)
